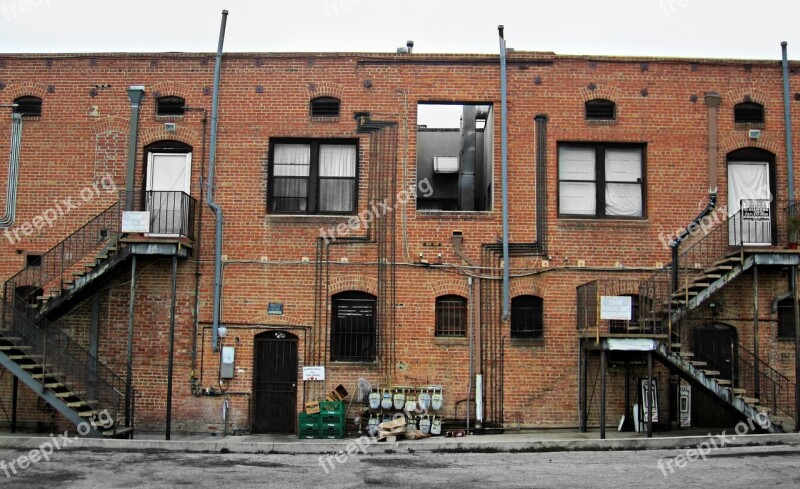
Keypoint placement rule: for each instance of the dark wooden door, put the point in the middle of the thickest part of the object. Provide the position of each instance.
(716, 344)
(275, 383)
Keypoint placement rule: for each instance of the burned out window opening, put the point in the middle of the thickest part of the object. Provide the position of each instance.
(353, 332)
(170, 106)
(455, 154)
(28, 106)
(527, 317)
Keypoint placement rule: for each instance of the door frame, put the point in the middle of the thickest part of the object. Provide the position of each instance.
(752, 155)
(165, 147)
(284, 337)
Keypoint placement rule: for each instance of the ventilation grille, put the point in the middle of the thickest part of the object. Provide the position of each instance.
(749, 113)
(28, 106)
(325, 107)
(170, 106)
(600, 110)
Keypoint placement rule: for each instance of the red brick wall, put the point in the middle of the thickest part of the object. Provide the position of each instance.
(82, 136)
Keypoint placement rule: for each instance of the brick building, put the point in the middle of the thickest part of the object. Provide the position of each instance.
(358, 237)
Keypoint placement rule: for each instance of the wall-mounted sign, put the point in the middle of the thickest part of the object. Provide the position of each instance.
(616, 307)
(313, 373)
(275, 309)
(755, 210)
(135, 222)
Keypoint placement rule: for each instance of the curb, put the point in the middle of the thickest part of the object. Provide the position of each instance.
(366, 445)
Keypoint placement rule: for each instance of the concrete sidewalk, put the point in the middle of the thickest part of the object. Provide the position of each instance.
(515, 441)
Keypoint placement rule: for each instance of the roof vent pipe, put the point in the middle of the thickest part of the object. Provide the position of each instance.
(409, 46)
(787, 115)
(212, 160)
(504, 146)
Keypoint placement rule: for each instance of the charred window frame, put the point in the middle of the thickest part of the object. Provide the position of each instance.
(748, 113)
(170, 106)
(313, 176)
(28, 106)
(600, 110)
(602, 180)
(451, 316)
(353, 328)
(527, 317)
(325, 107)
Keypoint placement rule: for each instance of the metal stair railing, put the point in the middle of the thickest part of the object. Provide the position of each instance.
(54, 264)
(61, 356)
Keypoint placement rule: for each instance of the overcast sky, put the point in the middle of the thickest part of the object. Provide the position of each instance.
(694, 28)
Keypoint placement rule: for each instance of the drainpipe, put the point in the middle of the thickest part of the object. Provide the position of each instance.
(504, 146)
(13, 172)
(135, 95)
(713, 101)
(212, 160)
(787, 117)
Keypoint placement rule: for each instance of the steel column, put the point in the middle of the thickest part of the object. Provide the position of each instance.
(650, 391)
(170, 359)
(14, 399)
(796, 351)
(129, 380)
(756, 379)
(602, 394)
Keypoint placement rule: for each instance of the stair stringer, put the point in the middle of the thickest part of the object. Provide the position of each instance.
(697, 377)
(714, 287)
(47, 395)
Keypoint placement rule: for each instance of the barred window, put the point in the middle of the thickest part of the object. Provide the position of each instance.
(786, 319)
(325, 107)
(600, 110)
(170, 106)
(527, 317)
(353, 329)
(28, 106)
(451, 316)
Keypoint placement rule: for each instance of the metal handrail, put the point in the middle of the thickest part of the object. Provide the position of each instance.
(63, 357)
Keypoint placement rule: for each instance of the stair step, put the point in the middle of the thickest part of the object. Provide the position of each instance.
(79, 404)
(711, 373)
(47, 375)
(699, 285)
(31, 366)
(24, 357)
(54, 385)
(714, 276)
(78, 274)
(120, 432)
(87, 413)
(723, 268)
(686, 354)
(739, 391)
(64, 395)
(698, 364)
(723, 382)
(763, 409)
(748, 400)
(12, 348)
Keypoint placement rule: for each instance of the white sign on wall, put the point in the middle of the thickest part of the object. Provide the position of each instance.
(135, 222)
(313, 373)
(616, 307)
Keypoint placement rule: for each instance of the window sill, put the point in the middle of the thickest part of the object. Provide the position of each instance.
(749, 125)
(594, 222)
(601, 122)
(527, 342)
(310, 218)
(324, 118)
(450, 341)
(475, 215)
(343, 363)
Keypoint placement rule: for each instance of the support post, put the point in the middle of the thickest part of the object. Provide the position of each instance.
(627, 391)
(14, 399)
(602, 394)
(94, 346)
(129, 380)
(756, 379)
(650, 394)
(584, 405)
(170, 359)
(796, 351)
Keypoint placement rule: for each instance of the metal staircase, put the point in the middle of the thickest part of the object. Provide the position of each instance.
(748, 384)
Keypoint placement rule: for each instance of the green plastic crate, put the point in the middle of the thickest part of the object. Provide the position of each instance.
(309, 433)
(308, 421)
(327, 408)
(332, 433)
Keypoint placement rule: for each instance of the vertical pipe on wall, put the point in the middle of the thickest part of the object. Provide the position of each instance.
(603, 394)
(171, 353)
(135, 95)
(756, 379)
(13, 172)
(787, 117)
(504, 165)
(212, 160)
(14, 399)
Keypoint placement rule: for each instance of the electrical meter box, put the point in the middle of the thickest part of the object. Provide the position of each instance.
(226, 365)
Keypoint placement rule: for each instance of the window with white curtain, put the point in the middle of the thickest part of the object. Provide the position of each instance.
(313, 176)
(601, 180)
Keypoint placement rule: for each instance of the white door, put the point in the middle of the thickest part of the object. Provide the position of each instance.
(168, 185)
(749, 182)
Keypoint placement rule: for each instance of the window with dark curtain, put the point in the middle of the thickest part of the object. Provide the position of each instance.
(786, 319)
(353, 332)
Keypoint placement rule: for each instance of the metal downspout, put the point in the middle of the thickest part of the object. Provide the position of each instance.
(504, 152)
(135, 95)
(212, 160)
(13, 172)
(787, 117)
